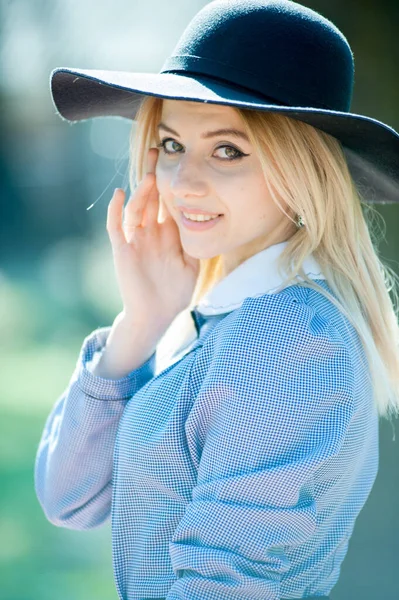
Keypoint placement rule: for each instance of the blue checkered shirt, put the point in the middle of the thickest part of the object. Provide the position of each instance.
(233, 463)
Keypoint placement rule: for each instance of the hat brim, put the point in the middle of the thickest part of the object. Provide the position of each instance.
(371, 147)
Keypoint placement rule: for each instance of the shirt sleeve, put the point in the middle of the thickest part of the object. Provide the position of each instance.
(74, 460)
(273, 407)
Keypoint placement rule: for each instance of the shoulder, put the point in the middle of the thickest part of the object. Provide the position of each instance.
(291, 315)
(280, 356)
(291, 331)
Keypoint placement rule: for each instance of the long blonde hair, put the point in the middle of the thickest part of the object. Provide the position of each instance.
(310, 173)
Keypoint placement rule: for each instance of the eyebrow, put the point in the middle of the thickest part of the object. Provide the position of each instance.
(210, 134)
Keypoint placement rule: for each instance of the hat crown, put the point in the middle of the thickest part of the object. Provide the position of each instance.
(277, 49)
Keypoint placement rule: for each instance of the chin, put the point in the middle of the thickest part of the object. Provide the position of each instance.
(200, 253)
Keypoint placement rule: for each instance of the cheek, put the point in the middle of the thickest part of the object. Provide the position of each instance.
(248, 193)
(233, 187)
(251, 203)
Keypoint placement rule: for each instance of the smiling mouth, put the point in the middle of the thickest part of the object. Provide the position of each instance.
(189, 214)
(200, 217)
(197, 211)
(201, 224)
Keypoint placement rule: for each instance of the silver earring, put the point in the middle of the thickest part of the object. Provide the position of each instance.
(299, 221)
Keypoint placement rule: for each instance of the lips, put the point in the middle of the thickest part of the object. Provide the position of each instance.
(200, 225)
(198, 211)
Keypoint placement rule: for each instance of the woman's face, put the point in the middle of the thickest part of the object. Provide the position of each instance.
(219, 174)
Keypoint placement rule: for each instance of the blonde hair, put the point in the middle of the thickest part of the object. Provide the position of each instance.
(310, 174)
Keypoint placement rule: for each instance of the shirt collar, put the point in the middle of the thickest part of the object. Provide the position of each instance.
(255, 276)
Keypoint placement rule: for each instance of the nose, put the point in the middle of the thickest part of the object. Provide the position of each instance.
(188, 179)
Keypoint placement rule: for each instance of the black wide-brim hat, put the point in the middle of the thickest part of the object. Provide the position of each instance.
(267, 55)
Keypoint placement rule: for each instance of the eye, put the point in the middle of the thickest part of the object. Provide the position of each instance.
(232, 153)
(163, 145)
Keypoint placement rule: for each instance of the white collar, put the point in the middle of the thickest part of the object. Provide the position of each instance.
(255, 276)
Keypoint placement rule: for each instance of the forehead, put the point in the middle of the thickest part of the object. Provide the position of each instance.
(200, 112)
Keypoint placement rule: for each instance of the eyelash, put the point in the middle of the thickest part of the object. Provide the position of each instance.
(240, 155)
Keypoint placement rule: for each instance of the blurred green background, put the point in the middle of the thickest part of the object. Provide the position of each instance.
(56, 276)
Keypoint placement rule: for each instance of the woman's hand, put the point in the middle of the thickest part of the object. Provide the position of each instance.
(156, 277)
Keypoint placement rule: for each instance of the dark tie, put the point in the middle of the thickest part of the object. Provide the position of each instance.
(204, 323)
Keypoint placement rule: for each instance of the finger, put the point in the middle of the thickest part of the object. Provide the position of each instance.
(134, 208)
(151, 207)
(152, 158)
(165, 215)
(114, 218)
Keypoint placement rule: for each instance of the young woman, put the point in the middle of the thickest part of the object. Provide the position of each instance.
(227, 421)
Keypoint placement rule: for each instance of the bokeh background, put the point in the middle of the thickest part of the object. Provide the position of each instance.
(56, 276)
